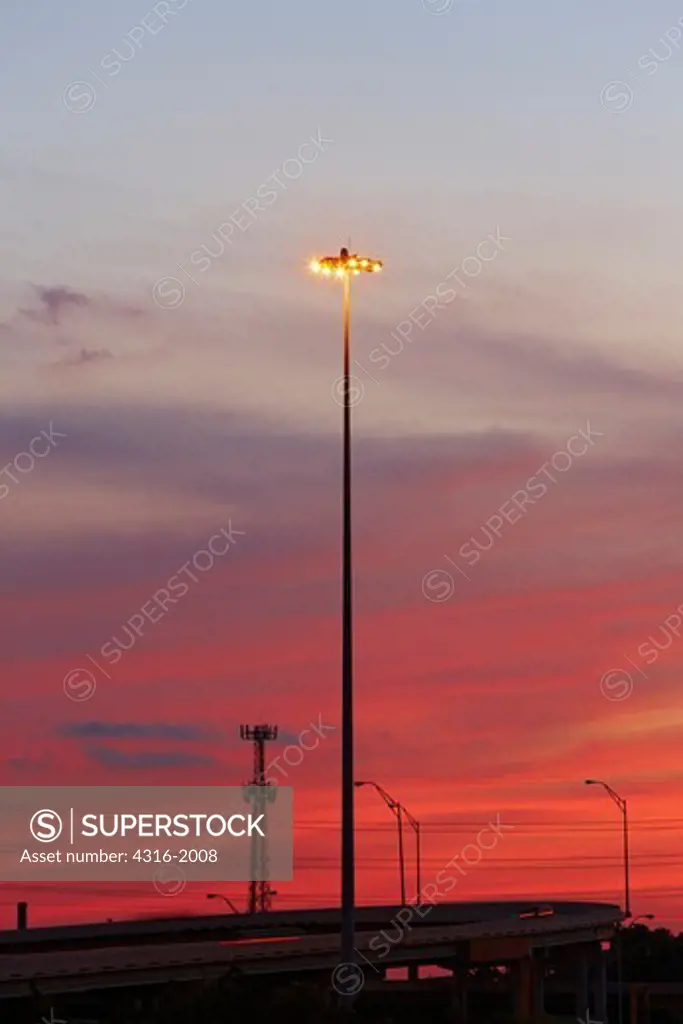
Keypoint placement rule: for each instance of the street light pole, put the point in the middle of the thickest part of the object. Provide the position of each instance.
(401, 858)
(620, 974)
(343, 266)
(623, 807)
(415, 825)
(348, 850)
(400, 812)
(627, 882)
(220, 896)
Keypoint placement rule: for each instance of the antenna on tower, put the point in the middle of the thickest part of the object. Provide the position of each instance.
(259, 792)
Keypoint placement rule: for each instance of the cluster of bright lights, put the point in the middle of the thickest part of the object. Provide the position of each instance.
(345, 263)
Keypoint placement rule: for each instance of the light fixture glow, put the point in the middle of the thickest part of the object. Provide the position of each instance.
(343, 264)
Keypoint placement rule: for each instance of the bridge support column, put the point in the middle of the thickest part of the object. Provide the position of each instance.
(539, 987)
(600, 989)
(460, 993)
(528, 988)
(581, 1002)
(633, 1004)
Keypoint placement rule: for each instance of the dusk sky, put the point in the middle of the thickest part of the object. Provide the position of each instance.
(165, 176)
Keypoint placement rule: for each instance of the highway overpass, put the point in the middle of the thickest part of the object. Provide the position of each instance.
(534, 945)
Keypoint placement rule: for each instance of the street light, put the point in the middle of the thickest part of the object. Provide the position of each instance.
(220, 896)
(396, 808)
(621, 804)
(400, 811)
(415, 825)
(344, 266)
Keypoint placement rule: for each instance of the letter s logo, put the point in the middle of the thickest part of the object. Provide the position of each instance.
(46, 826)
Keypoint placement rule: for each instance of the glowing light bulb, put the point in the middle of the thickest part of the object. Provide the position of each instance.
(314, 265)
(364, 263)
(326, 271)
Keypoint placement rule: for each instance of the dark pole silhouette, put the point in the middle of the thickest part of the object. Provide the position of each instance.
(400, 812)
(220, 896)
(343, 266)
(415, 825)
(348, 851)
(622, 805)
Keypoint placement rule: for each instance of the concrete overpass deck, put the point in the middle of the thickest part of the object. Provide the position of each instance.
(80, 958)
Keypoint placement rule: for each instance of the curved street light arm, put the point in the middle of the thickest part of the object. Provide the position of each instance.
(220, 896)
(392, 804)
(413, 822)
(618, 800)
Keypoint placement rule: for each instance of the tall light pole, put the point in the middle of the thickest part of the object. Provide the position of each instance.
(402, 813)
(415, 825)
(343, 267)
(621, 804)
(397, 809)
